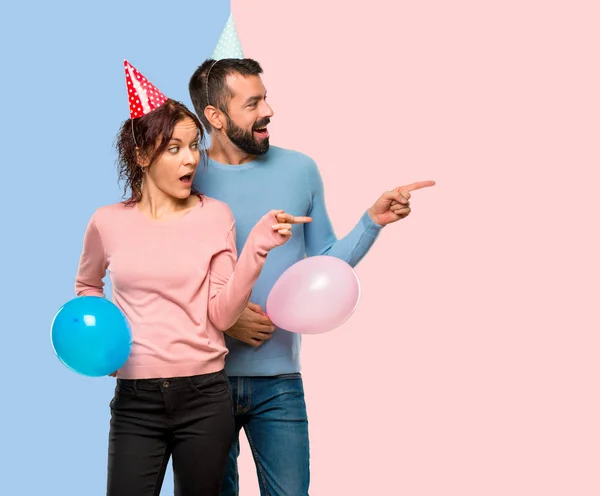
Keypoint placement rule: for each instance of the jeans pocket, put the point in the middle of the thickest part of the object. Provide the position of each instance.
(122, 393)
(214, 384)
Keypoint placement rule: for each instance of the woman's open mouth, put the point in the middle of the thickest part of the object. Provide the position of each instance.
(187, 179)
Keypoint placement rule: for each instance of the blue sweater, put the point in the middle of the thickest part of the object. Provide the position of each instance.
(288, 180)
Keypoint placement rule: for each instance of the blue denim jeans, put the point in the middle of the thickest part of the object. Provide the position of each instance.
(272, 412)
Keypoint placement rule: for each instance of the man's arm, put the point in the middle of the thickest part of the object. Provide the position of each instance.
(319, 234)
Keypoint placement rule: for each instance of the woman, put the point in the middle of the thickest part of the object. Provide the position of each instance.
(171, 255)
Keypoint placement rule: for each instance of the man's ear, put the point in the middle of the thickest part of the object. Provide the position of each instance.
(214, 116)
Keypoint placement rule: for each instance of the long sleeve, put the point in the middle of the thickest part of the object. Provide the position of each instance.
(230, 284)
(319, 234)
(92, 263)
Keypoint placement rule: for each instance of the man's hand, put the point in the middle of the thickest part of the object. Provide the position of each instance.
(253, 327)
(394, 205)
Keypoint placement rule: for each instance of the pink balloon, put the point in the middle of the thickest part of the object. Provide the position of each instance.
(314, 295)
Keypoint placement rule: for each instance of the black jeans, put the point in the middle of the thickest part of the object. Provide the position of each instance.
(190, 418)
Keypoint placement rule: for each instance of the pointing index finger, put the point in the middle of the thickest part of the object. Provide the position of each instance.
(417, 185)
(290, 219)
(301, 220)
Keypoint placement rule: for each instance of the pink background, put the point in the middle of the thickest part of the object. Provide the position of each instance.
(471, 366)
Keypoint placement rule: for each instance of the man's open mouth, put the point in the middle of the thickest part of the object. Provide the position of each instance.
(261, 132)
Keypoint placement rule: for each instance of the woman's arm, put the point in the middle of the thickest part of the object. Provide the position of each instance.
(92, 263)
(231, 283)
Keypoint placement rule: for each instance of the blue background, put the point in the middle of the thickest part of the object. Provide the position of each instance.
(63, 99)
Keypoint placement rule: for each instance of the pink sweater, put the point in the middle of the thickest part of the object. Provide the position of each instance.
(175, 282)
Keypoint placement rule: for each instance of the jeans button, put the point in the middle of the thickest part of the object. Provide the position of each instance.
(166, 384)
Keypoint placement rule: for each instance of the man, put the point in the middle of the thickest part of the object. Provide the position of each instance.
(253, 177)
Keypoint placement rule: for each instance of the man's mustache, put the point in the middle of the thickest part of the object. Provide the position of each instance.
(262, 123)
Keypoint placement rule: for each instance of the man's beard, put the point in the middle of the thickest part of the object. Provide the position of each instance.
(244, 140)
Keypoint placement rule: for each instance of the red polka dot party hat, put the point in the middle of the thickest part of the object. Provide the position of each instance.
(144, 97)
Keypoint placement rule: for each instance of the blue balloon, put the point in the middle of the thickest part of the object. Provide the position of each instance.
(91, 336)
